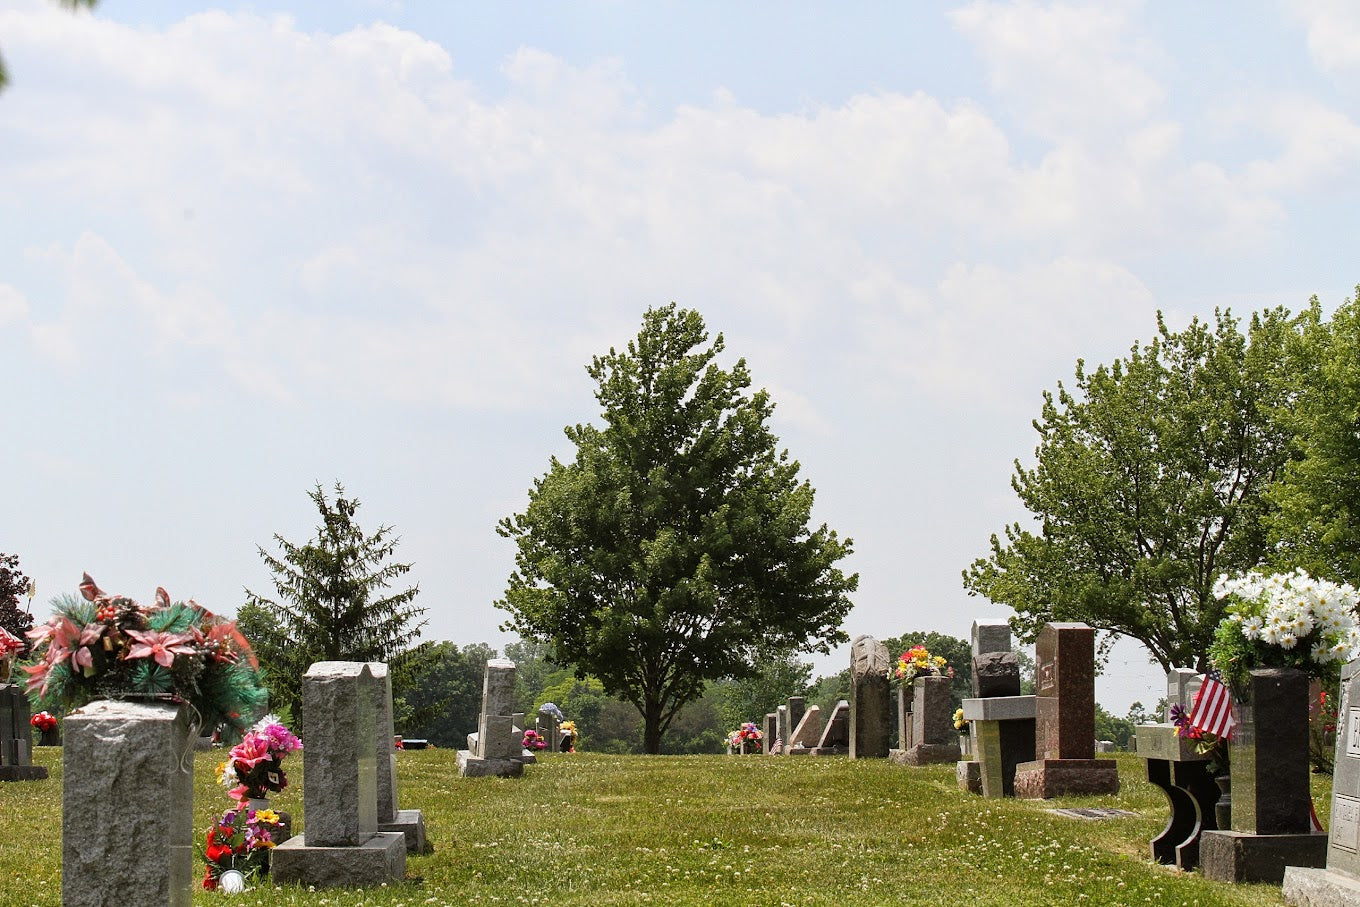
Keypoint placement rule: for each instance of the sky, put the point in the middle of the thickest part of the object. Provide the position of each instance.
(249, 248)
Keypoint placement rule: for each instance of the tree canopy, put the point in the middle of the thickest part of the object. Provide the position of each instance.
(676, 546)
(332, 604)
(71, 4)
(13, 583)
(1150, 481)
(1317, 525)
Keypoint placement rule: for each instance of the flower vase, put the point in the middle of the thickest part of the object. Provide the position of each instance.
(965, 745)
(1223, 808)
(6, 667)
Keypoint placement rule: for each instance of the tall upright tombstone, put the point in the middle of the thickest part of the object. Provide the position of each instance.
(410, 822)
(1001, 721)
(16, 737)
(807, 734)
(770, 733)
(1271, 801)
(835, 733)
(127, 806)
(1065, 719)
(797, 707)
(932, 724)
(1339, 881)
(493, 749)
(870, 698)
(340, 844)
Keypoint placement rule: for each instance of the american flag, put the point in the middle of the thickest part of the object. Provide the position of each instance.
(1212, 711)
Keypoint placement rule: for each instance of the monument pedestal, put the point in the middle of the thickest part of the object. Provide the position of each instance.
(1003, 739)
(928, 754)
(969, 776)
(1048, 778)
(470, 766)
(1182, 774)
(1306, 887)
(1235, 856)
(381, 858)
(410, 824)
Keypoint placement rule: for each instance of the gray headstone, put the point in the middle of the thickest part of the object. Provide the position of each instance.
(498, 687)
(1178, 681)
(870, 699)
(385, 744)
(797, 706)
(809, 729)
(340, 758)
(991, 634)
(16, 741)
(996, 674)
(782, 724)
(837, 730)
(116, 846)
(771, 731)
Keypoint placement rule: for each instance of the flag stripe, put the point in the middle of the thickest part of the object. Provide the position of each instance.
(1212, 711)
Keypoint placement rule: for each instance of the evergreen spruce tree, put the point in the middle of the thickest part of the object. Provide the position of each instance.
(332, 604)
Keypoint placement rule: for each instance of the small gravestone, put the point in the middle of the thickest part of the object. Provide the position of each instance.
(807, 733)
(340, 844)
(771, 733)
(127, 815)
(870, 699)
(797, 706)
(836, 735)
(932, 724)
(1065, 719)
(16, 737)
(410, 822)
(991, 634)
(1339, 882)
(493, 749)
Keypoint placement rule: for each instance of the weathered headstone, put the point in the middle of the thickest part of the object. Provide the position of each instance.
(797, 705)
(807, 733)
(1065, 719)
(1175, 765)
(771, 733)
(114, 849)
(1271, 803)
(1001, 734)
(546, 725)
(340, 844)
(1339, 882)
(836, 735)
(494, 749)
(410, 822)
(16, 737)
(870, 698)
(782, 730)
(932, 724)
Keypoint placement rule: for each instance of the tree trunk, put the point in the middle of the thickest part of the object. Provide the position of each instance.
(651, 728)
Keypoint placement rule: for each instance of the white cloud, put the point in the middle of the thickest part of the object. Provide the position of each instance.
(13, 305)
(1333, 31)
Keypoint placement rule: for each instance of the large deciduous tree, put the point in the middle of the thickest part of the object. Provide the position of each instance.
(1317, 526)
(676, 545)
(332, 604)
(1149, 483)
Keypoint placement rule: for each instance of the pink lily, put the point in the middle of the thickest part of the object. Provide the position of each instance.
(160, 645)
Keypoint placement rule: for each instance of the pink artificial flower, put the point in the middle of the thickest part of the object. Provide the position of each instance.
(160, 645)
(251, 751)
(9, 643)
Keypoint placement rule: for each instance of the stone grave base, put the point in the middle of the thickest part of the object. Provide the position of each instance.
(830, 751)
(1233, 856)
(470, 766)
(1045, 779)
(381, 859)
(1304, 887)
(926, 754)
(796, 751)
(23, 772)
(970, 776)
(411, 824)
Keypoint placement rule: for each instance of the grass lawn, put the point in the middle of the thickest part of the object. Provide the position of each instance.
(597, 830)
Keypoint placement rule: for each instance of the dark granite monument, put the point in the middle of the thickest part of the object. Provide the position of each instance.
(869, 698)
(1000, 720)
(1064, 720)
(16, 737)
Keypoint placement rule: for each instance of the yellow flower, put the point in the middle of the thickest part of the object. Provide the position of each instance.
(266, 815)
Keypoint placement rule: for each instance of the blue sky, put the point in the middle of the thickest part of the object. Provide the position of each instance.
(248, 248)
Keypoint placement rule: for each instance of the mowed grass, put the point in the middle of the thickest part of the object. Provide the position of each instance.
(598, 830)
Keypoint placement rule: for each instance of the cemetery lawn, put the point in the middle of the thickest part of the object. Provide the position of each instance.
(596, 830)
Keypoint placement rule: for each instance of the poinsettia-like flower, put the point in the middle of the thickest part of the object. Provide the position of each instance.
(251, 751)
(161, 646)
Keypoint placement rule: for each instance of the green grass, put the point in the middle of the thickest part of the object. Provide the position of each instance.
(599, 830)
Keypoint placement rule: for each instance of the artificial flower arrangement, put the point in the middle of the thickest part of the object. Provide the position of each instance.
(10, 646)
(749, 733)
(43, 721)
(1285, 620)
(568, 731)
(240, 839)
(103, 646)
(533, 741)
(918, 662)
(254, 767)
(960, 723)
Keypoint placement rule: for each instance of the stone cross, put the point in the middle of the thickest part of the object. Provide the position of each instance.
(340, 844)
(870, 698)
(116, 846)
